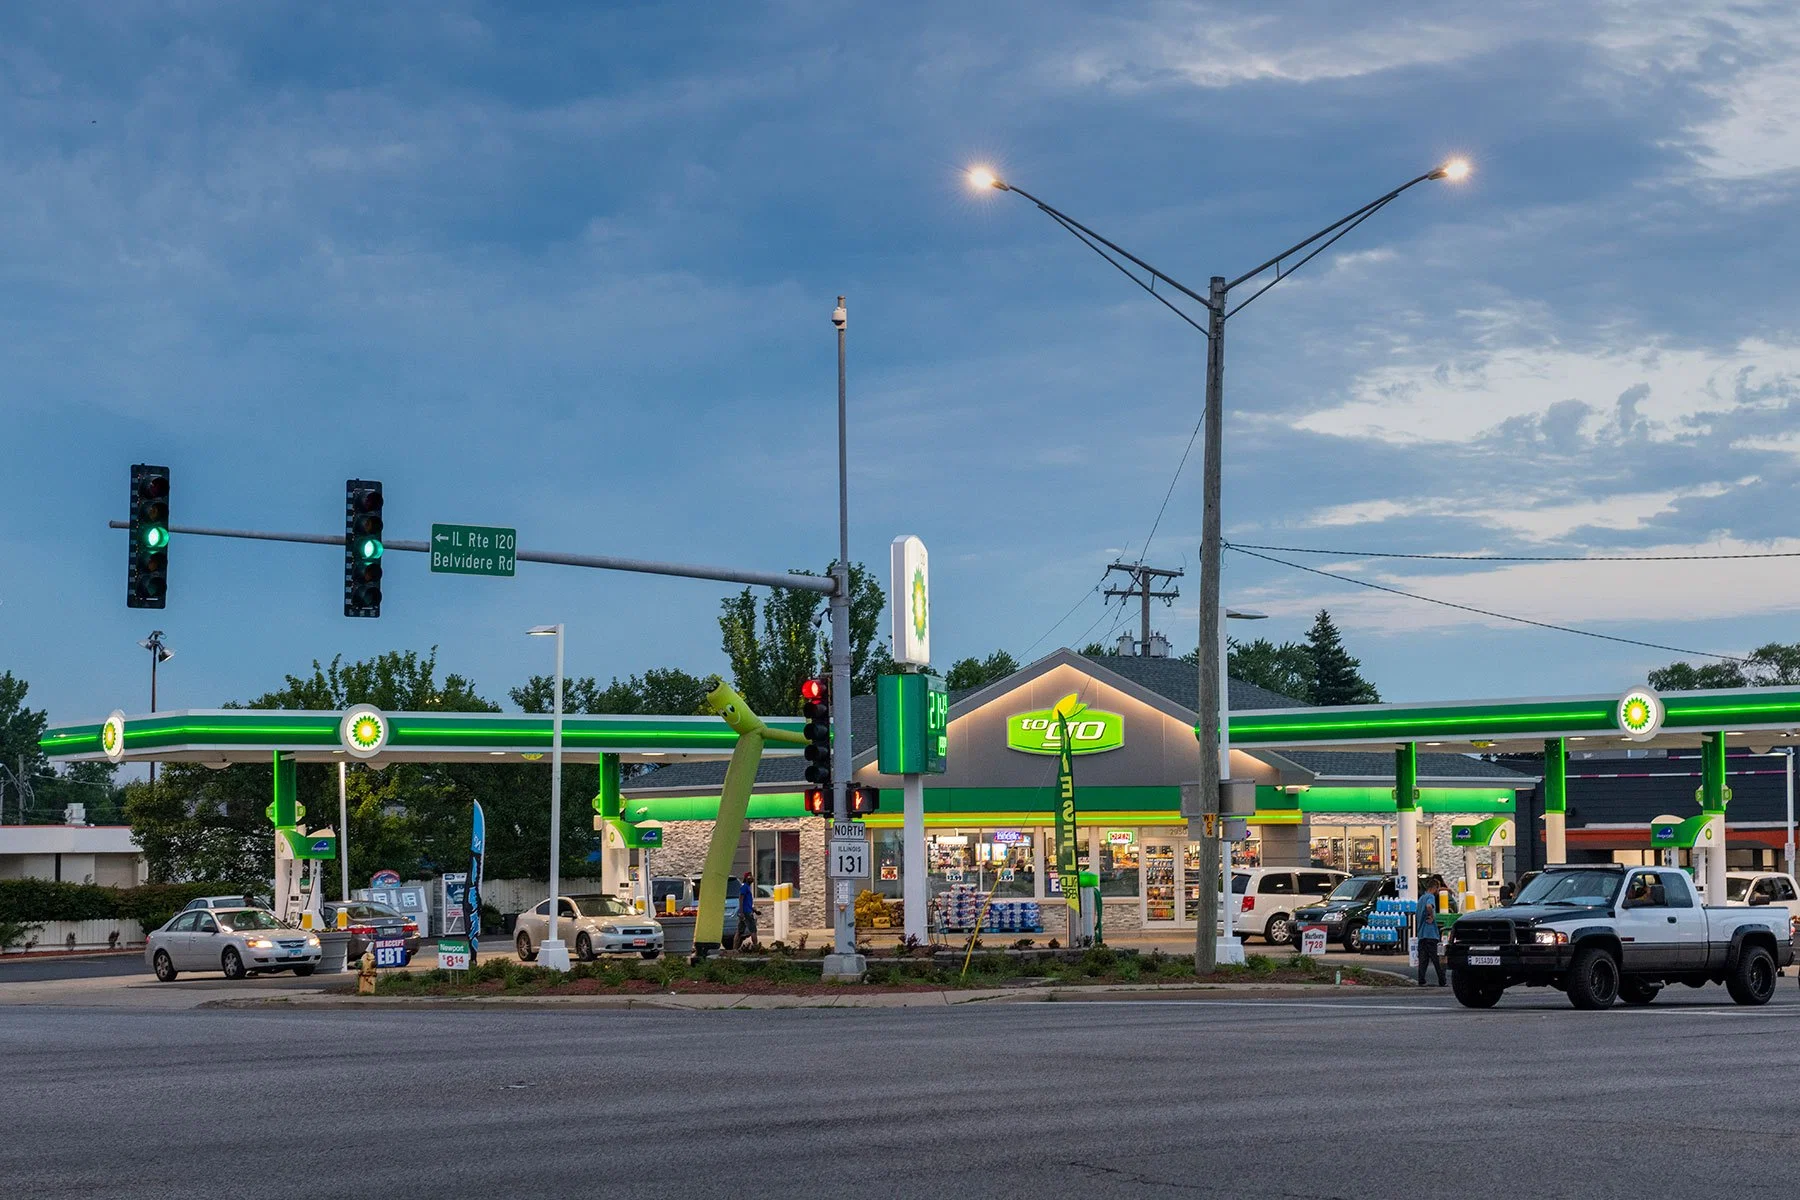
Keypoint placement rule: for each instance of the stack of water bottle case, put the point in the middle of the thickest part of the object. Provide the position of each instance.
(958, 908)
(1389, 922)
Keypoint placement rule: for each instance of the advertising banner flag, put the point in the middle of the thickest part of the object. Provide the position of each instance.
(1068, 860)
(472, 893)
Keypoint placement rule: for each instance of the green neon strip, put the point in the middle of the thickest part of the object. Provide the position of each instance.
(1781, 708)
(1406, 723)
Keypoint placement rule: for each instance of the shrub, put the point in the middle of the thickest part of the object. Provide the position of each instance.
(14, 932)
(152, 905)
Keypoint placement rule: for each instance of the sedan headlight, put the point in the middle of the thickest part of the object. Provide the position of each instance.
(312, 941)
(262, 944)
(1333, 917)
(1550, 937)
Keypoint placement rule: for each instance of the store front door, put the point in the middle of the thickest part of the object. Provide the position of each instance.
(1160, 884)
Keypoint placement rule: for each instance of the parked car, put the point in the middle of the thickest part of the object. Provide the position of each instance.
(1267, 897)
(240, 901)
(686, 890)
(1774, 888)
(1603, 933)
(237, 941)
(370, 920)
(1346, 910)
(590, 926)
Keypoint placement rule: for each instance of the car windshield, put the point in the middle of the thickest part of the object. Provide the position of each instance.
(1571, 887)
(601, 906)
(249, 918)
(1737, 889)
(1354, 889)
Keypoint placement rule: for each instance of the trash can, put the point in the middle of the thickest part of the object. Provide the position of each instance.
(334, 945)
(678, 935)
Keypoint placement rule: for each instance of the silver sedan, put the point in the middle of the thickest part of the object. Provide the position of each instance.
(237, 941)
(590, 925)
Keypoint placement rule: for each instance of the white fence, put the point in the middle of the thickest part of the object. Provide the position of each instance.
(517, 895)
(62, 936)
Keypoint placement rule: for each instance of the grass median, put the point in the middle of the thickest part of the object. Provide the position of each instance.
(779, 974)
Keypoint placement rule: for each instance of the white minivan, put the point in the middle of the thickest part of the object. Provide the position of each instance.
(1266, 898)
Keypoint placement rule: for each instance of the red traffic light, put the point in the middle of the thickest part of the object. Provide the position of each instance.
(818, 802)
(813, 689)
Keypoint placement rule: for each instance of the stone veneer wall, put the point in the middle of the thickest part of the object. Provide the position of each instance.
(684, 853)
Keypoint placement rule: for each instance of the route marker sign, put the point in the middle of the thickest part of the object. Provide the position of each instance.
(473, 550)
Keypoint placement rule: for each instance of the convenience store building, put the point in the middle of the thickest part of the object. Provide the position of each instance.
(988, 819)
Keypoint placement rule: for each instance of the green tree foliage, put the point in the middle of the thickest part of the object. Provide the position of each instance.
(1096, 650)
(1777, 663)
(1286, 669)
(87, 783)
(660, 690)
(20, 728)
(775, 650)
(966, 674)
(1336, 675)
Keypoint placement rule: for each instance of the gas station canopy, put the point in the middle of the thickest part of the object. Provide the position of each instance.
(221, 737)
(1754, 718)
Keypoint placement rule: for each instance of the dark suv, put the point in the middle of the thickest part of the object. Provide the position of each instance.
(1346, 910)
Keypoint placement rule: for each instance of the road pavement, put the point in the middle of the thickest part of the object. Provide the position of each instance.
(1375, 1094)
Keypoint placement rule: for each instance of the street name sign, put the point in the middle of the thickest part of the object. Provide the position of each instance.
(473, 550)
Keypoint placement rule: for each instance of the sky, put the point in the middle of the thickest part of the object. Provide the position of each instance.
(570, 269)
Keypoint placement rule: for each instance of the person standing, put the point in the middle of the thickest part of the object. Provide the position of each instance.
(746, 917)
(1429, 937)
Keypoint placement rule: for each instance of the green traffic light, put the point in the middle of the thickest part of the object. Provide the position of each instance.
(156, 537)
(369, 548)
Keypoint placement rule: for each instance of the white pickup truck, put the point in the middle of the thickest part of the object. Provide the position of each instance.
(1603, 933)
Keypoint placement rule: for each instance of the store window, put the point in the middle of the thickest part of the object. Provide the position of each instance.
(1247, 853)
(888, 848)
(1120, 863)
(1004, 862)
(773, 854)
(949, 861)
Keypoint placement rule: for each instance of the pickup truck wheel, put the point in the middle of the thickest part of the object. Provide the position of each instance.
(1636, 991)
(1593, 980)
(1753, 979)
(1475, 989)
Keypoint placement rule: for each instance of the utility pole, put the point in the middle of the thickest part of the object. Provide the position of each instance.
(1142, 579)
(844, 960)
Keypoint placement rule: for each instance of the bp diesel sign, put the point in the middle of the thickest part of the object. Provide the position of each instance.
(1090, 731)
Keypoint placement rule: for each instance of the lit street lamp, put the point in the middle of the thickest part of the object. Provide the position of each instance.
(1218, 309)
(552, 953)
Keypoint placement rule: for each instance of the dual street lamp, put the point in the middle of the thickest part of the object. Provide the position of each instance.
(1217, 303)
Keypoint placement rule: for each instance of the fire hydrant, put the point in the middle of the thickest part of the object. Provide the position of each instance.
(365, 978)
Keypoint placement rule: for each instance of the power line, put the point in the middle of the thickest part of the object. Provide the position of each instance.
(1065, 617)
(1380, 587)
(1503, 558)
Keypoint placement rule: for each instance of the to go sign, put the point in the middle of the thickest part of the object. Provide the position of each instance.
(1090, 732)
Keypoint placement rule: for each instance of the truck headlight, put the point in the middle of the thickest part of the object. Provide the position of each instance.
(1550, 937)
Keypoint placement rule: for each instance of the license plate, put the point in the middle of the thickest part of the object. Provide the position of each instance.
(1484, 960)
(640, 942)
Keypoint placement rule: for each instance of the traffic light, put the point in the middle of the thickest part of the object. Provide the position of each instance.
(362, 548)
(147, 568)
(818, 802)
(816, 708)
(863, 799)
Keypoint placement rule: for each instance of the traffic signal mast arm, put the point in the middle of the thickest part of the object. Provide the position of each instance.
(824, 585)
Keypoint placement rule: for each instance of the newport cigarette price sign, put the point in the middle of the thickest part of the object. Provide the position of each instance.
(473, 550)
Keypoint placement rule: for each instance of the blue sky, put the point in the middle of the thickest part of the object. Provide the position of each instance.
(570, 269)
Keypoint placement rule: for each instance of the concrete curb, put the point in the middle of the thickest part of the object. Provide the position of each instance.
(728, 1001)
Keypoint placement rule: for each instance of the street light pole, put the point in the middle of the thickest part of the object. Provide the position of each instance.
(1218, 309)
(553, 954)
(844, 960)
(1229, 947)
(159, 653)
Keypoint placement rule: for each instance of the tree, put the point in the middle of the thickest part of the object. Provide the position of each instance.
(666, 690)
(1336, 679)
(1777, 663)
(1286, 669)
(20, 728)
(773, 652)
(1096, 650)
(968, 674)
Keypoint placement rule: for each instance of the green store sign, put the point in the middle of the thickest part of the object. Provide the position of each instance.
(1090, 731)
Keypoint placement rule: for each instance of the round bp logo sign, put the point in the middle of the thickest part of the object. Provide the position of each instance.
(1640, 714)
(112, 736)
(921, 604)
(364, 731)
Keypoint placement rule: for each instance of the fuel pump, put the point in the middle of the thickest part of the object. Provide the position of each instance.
(1702, 835)
(1484, 869)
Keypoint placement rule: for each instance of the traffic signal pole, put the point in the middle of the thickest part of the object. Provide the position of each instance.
(844, 961)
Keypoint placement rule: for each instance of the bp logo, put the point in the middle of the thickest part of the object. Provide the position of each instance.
(112, 737)
(1090, 730)
(920, 607)
(364, 731)
(1640, 714)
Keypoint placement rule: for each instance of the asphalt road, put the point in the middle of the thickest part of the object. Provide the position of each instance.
(1371, 1095)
